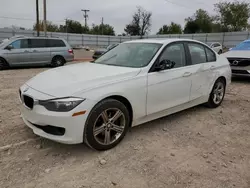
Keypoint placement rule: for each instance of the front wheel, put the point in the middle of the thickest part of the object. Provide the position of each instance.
(107, 125)
(217, 94)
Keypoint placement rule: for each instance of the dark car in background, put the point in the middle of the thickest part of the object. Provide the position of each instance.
(101, 51)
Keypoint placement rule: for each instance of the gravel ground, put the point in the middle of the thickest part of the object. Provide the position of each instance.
(199, 147)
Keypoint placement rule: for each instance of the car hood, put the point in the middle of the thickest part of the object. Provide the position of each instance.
(80, 77)
(237, 54)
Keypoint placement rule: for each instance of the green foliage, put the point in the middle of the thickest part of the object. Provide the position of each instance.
(233, 16)
(173, 28)
(102, 29)
(141, 23)
(200, 22)
(50, 26)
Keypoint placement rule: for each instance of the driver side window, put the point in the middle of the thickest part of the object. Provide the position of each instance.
(175, 53)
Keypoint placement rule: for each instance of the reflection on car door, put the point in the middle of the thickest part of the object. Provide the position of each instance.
(203, 60)
(171, 87)
(20, 54)
(40, 51)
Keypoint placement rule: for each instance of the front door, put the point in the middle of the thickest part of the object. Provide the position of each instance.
(20, 53)
(171, 87)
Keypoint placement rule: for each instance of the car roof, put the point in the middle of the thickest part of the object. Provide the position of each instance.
(161, 40)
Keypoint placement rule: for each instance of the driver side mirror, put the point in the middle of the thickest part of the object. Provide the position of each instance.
(9, 47)
(165, 64)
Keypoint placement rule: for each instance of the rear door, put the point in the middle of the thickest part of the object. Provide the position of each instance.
(40, 51)
(203, 61)
(20, 54)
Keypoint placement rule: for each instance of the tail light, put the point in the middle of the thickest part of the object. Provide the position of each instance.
(71, 51)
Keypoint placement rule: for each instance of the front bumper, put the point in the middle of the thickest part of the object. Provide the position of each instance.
(39, 117)
(240, 71)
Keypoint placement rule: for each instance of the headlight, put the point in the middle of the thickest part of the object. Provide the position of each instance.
(62, 104)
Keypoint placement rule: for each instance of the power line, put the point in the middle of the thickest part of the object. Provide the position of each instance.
(178, 4)
(27, 19)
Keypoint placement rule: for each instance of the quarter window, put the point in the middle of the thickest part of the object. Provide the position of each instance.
(175, 53)
(210, 55)
(197, 52)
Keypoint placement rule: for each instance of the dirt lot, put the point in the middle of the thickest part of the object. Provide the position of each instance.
(199, 147)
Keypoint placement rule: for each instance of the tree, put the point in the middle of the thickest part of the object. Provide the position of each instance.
(233, 16)
(102, 29)
(141, 23)
(72, 26)
(173, 28)
(200, 22)
(50, 26)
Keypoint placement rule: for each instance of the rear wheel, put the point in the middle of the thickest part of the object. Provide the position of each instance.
(217, 94)
(58, 61)
(107, 125)
(3, 64)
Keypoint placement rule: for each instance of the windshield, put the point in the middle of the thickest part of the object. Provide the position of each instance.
(130, 55)
(242, 46)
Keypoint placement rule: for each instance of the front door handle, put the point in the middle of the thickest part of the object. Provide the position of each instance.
(35, 51)
(186, 74)
(212, 67)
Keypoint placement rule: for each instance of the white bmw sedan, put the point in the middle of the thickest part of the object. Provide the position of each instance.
(136, 82)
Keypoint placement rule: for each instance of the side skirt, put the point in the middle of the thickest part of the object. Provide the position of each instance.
(169, 111)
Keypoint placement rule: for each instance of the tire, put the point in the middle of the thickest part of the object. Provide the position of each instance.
(57, 61)
(220, 52)
(216, 97)
(3, 64)
(97, 129)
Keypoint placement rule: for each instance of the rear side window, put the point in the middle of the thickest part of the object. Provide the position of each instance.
(38, 43)
(56, 43)
(197, 52)
(210, 55)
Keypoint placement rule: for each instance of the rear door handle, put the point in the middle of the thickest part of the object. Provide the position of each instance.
(187, 74)
(212, 67)
(35, 51)
(26, 51)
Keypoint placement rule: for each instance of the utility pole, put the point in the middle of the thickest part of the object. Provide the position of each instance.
(85, 15)
(102, 25)
(37, 18)
(45, 18)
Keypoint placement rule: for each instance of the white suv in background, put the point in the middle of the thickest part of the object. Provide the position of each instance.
(217, 47)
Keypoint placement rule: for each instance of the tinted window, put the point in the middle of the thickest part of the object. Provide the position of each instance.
(38, 43)
(216, 45)
(18, 44)
(175, 53)
(56, 43)
(197, 53)
(210, 55)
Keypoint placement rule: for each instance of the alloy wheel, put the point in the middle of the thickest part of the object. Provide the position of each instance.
(218, 92)
(109, 126)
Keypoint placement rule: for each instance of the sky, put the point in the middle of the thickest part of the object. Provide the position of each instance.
(117, 13)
